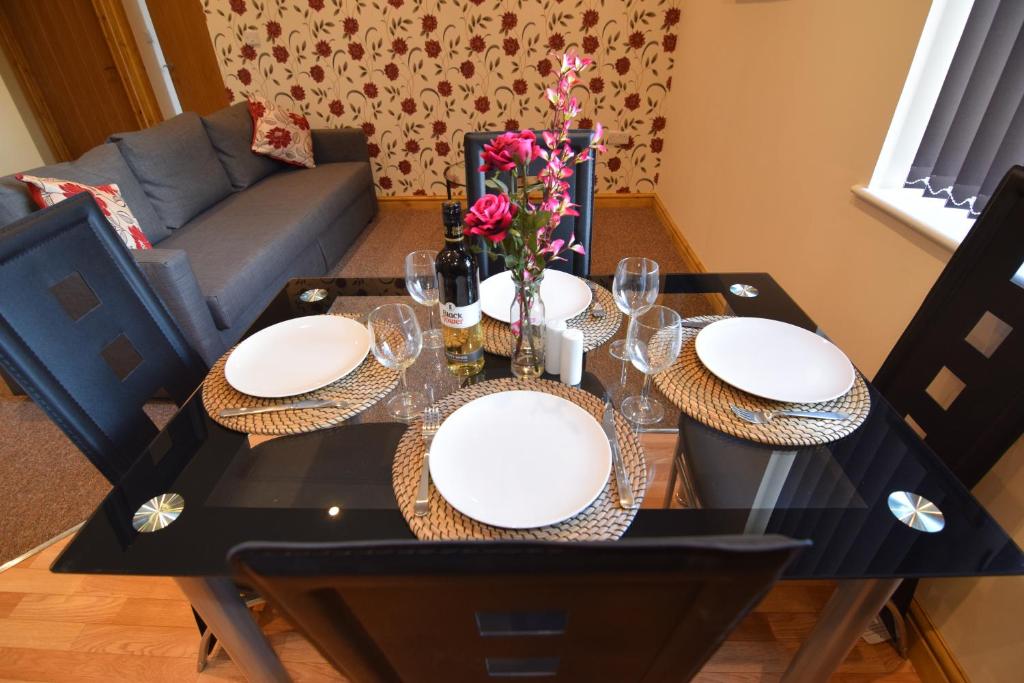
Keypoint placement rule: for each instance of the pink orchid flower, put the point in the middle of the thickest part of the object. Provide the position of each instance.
(528, 244)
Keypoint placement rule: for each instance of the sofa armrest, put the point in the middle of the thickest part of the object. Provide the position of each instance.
(170, 274)
(339, 144)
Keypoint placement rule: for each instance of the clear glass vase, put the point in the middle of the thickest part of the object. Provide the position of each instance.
(527, 321)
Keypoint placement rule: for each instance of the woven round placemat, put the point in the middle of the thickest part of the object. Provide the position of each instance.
(498, 337)
(704, 397)
(361, 388)
(603, 520)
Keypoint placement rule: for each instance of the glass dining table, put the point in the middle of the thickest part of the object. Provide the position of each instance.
(335, 485)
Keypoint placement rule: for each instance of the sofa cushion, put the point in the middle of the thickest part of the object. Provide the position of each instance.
(49, 191)
(100, 165)
(281, 134)
(230, 131)
(253, 235)
(177, 167)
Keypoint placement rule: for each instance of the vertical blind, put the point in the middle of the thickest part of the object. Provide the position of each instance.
(976, 131)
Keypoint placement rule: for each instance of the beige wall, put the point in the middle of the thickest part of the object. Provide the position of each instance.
(777, 109)
(19, 149)
(980, 618)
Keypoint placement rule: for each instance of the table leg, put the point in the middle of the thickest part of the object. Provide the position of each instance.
(217, 601)
(846, 616)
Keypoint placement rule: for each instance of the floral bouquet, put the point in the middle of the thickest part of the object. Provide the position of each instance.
(517, 222)
(521, 219)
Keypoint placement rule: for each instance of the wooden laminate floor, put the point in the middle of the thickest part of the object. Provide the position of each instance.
(62, 627)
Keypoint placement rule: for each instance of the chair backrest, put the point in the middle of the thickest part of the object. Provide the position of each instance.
(84, 335)
(581, 191)
(461, 612)
(958, 369)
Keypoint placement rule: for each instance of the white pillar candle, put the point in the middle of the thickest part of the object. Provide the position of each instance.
(553, 346)
(572, 357)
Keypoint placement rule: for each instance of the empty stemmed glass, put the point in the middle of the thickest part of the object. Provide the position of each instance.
(635, 289)
(421, 281)
(397, 342)
(653, 341)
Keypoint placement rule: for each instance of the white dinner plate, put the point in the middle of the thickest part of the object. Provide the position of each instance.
(775, 360)
(565, 296)
(520, 459)
(296, 356)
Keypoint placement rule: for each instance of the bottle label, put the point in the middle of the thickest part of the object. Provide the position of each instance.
(460, 317)
(463, 358)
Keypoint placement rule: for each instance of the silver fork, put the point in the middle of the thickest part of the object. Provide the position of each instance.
(762, 416)
(596, 307)
(431, 423)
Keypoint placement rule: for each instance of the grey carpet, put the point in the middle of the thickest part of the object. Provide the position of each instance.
(47, 486)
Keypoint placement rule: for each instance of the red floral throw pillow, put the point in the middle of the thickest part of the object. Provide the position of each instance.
(281, 134)
(49, 191)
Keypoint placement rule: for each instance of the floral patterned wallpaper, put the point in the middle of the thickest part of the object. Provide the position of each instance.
(416, 75)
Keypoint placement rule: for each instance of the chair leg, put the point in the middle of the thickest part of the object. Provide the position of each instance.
(209, 644)
(899, 625)
(670, 491)
(687, 494)
(206, 648)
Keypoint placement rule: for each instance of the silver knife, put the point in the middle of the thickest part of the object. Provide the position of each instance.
(819, 414)
(596, 307)
(297, 405)
(621, 478)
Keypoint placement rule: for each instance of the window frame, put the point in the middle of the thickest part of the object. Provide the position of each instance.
(928, 215)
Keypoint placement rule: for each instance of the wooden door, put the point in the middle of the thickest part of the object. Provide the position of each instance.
(61, 53)
(188, 52)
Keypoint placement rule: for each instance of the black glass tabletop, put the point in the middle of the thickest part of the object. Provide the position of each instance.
(335, 484)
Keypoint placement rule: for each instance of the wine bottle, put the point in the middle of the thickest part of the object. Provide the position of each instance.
(458, 288)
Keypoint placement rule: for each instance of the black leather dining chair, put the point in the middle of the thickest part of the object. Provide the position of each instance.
(85, 336)
(957, 372)
(463, 612)
(581, 190)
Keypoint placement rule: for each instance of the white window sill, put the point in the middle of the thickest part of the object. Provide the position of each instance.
(927, 215)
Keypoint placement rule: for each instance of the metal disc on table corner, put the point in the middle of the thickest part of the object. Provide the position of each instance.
(916, 511)
(310, 296)
(745, 291)
(158, 513)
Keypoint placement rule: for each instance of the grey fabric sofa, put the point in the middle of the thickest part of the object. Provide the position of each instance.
(228, 227)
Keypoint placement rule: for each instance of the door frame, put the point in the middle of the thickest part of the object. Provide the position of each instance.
(117, 34)
(121, 40)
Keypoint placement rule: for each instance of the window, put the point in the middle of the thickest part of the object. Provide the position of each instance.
(959, 124)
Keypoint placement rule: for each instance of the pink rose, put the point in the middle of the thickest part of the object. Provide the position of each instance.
(509, 150)
(490, 217)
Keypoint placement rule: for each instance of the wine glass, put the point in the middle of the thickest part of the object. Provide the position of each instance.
(653, 342)
(421, 281)
(635, 290)
(397, 342)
